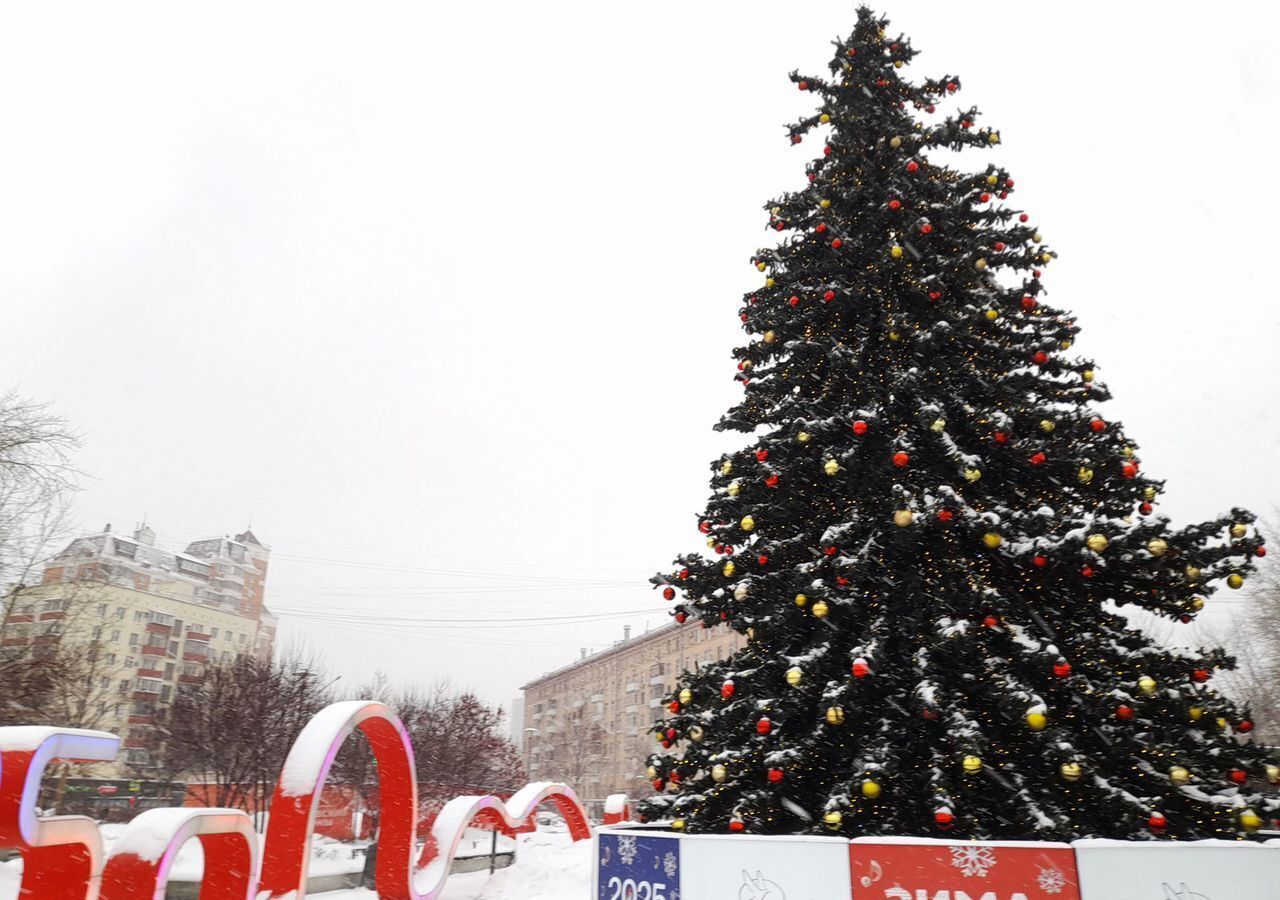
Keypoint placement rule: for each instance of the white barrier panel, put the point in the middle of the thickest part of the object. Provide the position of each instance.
(1191, 870)
(914, 868)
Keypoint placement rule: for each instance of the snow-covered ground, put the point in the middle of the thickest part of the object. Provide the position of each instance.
(548, 865)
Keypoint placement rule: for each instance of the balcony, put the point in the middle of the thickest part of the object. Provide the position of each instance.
(190, 679)
(597, 698)
(149, 650)
(150, 673)
(142, 720)
(158, 628)
(657, 679)
(52, 616)
(198, 636)
(195, 655)
(136, 743)
(148, 696)
(633, 687)
(14, 642)
(18, 618)
(655, 703)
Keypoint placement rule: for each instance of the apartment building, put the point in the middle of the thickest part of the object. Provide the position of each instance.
(151, 620)
(587, 723)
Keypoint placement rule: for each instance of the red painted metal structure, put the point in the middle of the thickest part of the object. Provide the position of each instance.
(63, 859)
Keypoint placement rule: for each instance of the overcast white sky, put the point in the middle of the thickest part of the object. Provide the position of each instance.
(426, 288)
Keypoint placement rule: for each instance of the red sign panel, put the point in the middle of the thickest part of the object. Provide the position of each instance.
(952, 870)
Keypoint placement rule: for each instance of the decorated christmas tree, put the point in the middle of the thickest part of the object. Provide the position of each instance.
(932, 538)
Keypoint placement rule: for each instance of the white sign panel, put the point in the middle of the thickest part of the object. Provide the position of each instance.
(749, 867)
(1194, 870)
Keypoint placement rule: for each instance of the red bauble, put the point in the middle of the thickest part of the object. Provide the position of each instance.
(895, 203)
(675, 778)
(804, 85)
(935, 295)
(829, 296)
(837, 244)
(668, 593)
(1062, 669)
(852, 51)
(1145, 508)
(821, 228)
(666, 744)
(860, 669)
(779, 225)
(671, 734)
(1200, 675)
(1038, 458)
(900, 459)
(1028, 302)
(984, 197)
(945, 515)
(1097, 426)
(1086, 571)
(1130, 470)
(998, 246)
(830, 550)
(943, 819)
(1000, 437)
(1239, 776)
(726, 690)
(736, 825)
(795, 138)
(991, 621)
(1035, 273)
(1245, 726)
(684, 573)
(1023, 217)
(771, 481)
(762, 455)
(719, 548)
(965, 123)
(826, 151)
(859, 427)
(842, 581)
(1041, 357)
(952, 86)
(912, 165)
(1261, 551)
(764, 726)
(743, 317)
(1157, 822)
(1004, 195)
(926, 228)
(673, 707)
(930, 108)
(763, 559)
(1039, 561)
(794, 301)
(775, 775)
(928, 715)
(1124, 712)
(704, 526)
(724, 617)
(681, 618)
(1008, 182)
(659, 784)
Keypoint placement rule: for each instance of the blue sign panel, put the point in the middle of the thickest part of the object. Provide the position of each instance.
(638, 867)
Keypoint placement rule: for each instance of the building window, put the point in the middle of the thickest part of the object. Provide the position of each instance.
(168, 672)
(160, 618)
(213, 634)
(151, 685)
(165, 693)
(115, 634)
(104, 683)
(111, 659)
(137, 615)
(133, 639)
(102, 610)
(119, 612)
(54, 606)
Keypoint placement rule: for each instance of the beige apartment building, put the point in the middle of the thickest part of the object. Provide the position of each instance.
(587, 724)
(150, 620)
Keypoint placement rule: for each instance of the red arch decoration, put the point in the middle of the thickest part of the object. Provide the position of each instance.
(297, 797)
(61, 855)
(138, 866)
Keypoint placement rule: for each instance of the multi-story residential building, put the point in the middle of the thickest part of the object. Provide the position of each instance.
(150, 620)
(588, 723)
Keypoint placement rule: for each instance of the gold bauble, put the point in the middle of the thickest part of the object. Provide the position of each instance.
(1239, 530)
(770, 337)
(994, 138)
(696, 733)
(751, 634)
(729, 569)
(741, 591)
(835, 715)
(1235, 580)
(1221, 723)
(991, 179)
(726, 467)
(1037, 721)
(803, 437)
(1037, 237)
(651, 773)
(870, 789)
(832, 820)
(831, 467)
(1085, 475)
(1197, 603)
(972, 475)
(895, 142)
(1157, 547)
(1193, 573)
(801, 599)
(1250, 821)
(748, 523)
(991, 540)
(1273, 774)
(820, 609)
(1196, 713)
(769, 282)
(981, 264)
(1070, 771)
(1087, 375)
(1179, 775)
(1147, 685)
(895, 336)
(992, 315)
(686, 697)
(897, 64)
(1047, 425)
(1065, 345)
(825, 204)
(1148, 493)
(711, 542)
(896, 252)
(733, 489)
(824, 118)
(938, 426)
(903, 517)
(1127, 452)
(678, 824)
(718, 773)
(1045, 257)
(761, 266)
(1097, 542)
(972, 765)
(795, 675)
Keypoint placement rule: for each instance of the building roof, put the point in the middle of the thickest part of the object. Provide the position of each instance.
(629, 644)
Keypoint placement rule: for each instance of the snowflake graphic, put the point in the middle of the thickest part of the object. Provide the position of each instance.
(1051, 880)
(627, 849)
(669, 865)
(973, 860)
